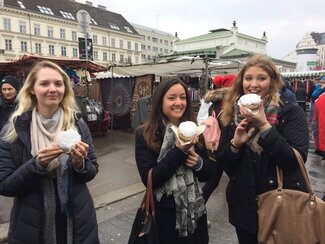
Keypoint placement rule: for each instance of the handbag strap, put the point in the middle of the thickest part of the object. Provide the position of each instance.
(303, 171)
(147, 203)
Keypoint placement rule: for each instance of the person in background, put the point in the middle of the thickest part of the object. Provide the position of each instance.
(287, 91)
(176, 168)
(301, 94)
(312, 86)
(52, 202)
(255, 143)
(318, 121)
(9, 90)
(319, 89)
(216, 97)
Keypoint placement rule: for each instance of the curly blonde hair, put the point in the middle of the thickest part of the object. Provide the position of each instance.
(27, 101)
(236, 90)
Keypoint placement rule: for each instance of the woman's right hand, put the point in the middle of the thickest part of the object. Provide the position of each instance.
(242, 135)
(47, 154)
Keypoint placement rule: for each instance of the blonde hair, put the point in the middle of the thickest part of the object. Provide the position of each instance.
(236, 90)
(27, 101)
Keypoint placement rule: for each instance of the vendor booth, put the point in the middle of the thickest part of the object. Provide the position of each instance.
(87, 89)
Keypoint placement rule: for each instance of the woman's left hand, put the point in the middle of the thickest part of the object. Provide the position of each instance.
(78, 154)
(192, 158)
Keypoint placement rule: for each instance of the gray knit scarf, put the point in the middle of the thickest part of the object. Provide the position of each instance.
(42, 135)
(183, 185)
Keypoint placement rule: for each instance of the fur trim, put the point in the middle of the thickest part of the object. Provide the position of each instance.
(216, 95)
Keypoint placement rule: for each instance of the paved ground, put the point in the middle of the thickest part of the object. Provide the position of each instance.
(117, 192)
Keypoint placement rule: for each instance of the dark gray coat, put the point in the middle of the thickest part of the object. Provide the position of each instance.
(21, 178)
(251, 174)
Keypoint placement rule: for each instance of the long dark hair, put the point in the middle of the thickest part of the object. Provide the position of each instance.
(156, 115)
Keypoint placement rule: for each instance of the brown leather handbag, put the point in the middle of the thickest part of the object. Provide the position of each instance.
(291, 216)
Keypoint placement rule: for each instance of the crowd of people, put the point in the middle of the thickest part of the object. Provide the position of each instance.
(52, 202)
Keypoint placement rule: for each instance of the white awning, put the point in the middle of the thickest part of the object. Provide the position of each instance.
(183, 65)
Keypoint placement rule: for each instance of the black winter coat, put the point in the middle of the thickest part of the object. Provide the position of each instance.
(165, 208)
(20, 177)
(251, 174)
(6, 109)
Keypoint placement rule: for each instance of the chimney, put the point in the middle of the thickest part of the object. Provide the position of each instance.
(89, 3)
(102, 7)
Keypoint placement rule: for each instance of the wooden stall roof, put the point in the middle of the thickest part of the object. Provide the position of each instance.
(27, 61)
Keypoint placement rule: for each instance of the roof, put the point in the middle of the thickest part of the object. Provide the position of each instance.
(212, 34)
(181, 65)
(67, 10)
(30, 60)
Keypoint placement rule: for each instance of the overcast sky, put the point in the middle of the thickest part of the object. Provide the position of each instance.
(284, 21)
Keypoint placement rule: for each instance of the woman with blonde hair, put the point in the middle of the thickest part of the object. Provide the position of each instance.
(256, 142)
(52, 202)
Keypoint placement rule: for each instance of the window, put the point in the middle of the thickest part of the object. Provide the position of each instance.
(166, 42)
(67, 15)
(51, 50)
(136, 46)
(148, 38)
(22, 26)
(96, 55)
(129, 45)
(74, 35)
(136, 59)
(113, 42)
(114, 26)
(23, 46)
(93, 21)
(143, 47)
(105, 56)
(121, 44)
(104, 41)
(50, 31)
(155, 49)
(45, 10)
(113, 57)
(155, 40)
(37, 29)
(95, 39)
(8, 44)
(121, 58)
(7, 24)
(62, 33)
(149, 48)
(75, 52)
(21, 4)
(128, 29)
(63, 51)
(38, 48)
(129, 59)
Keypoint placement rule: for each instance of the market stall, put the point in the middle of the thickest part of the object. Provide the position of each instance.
(81, 73)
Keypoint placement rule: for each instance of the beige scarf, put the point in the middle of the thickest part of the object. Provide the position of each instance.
(43, 137)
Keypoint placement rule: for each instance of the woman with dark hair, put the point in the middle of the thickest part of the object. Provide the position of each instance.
(176, 168)
(255, 143)
(52, 202)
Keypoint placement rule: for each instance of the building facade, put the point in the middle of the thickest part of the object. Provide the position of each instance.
(50, 28)
(154, 42)
(221, 43)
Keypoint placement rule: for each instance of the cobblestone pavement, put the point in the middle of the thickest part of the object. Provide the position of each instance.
(119, 218)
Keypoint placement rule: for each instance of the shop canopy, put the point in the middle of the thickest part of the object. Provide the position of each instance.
(27, 61)
(182, 65)
(312, 73)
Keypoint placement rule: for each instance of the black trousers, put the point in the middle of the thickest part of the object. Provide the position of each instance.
(245, 237)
